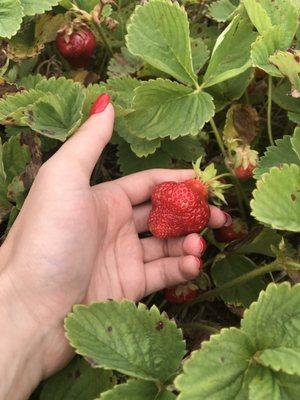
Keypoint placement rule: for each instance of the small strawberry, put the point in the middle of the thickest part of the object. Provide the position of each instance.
(182, 293)
(244, 174)
(76, 45)
(236, 230)
(182, 208)
(244, 162)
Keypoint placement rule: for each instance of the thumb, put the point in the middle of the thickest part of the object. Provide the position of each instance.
(87, 144)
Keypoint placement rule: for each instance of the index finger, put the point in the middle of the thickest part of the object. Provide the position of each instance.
(139, 186)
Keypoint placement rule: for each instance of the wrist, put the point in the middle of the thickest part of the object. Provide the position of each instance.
(21, 344)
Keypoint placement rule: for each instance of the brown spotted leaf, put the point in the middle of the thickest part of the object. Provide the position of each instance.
(131, 339)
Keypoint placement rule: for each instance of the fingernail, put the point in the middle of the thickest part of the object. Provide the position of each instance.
(203, 245)
(228, 220)
(100, 104)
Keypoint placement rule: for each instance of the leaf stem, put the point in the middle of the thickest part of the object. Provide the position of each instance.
(269, 112)
(218, 138)
(104, 39)
(275, 266)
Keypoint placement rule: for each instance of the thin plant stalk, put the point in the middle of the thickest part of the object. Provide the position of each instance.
(269, 111)
(241, 280)
(239, 191)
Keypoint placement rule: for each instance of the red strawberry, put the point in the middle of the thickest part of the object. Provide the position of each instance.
(244, 173)
(236, 230)
(182, 293)
(76, 46)
(182, 208)
(177, 209)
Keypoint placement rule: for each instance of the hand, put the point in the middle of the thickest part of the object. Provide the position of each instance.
(73, 243)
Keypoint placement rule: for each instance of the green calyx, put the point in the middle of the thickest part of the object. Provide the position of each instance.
(210, 179)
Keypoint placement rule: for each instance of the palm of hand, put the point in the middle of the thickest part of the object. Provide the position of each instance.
(118, 270)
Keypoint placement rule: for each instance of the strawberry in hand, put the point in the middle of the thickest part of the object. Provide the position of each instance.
(182, 208)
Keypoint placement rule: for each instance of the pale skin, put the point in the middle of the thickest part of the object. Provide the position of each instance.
(73, 243)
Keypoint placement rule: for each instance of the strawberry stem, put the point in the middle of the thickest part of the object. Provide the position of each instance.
(105, 41)
(238, 188)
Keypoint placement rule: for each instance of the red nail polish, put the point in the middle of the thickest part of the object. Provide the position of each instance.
(228, 219)
(100, 104)
(203, 245)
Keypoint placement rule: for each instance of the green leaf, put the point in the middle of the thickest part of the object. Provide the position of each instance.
(200, 53)
(277, 155)
(281, 359)
(47, 26)
(221, 10)
(15, 157)
(141, 147)
(12, 107)
(226, 92)
(11, 15)
(231, 267)
(12, 217)
(281, 96)
(217, 371)
(127, 338)
(266, 45)
(295, 140)
(159, 33)
(261, 244)
(86, 5)
(58, 114)
(53, 117)
(5, 205)
(289, 66)
(280, 188)
(16, 192)
(231, 54)
(172, 110)
(258, 15)
(123, 64)
(77, 381)
(30, 81)
(130, 162)
(32, 7)
(122, 91)
(24, 45)
(266, 14)
(137, 390)
(187, 148)
(274, 320)
(229, 365)
(267, 385)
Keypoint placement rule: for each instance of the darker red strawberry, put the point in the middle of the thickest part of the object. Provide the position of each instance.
(177, 209)
(236, 230)
(244, 173)
(76, 47)
(182, 293)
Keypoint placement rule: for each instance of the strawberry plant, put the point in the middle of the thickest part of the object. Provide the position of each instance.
(216, 82)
